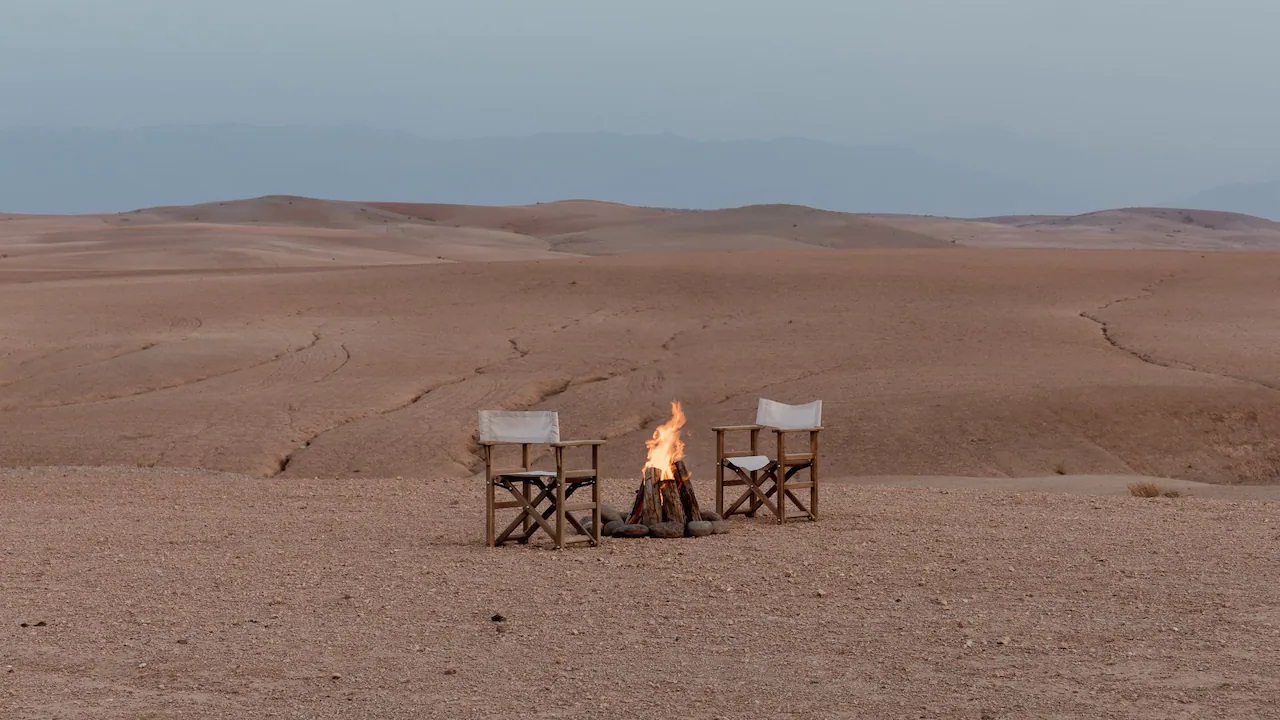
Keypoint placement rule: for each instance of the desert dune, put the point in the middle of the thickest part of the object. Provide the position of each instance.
(239, 461)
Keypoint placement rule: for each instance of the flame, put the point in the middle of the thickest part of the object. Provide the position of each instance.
(666, 447)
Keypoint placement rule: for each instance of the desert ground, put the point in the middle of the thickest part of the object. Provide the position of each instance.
(238, 474)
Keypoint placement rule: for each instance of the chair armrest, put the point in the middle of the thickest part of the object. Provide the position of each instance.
(728, 428)
(577, 443)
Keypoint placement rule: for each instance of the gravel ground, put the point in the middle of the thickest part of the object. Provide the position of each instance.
(167, 594)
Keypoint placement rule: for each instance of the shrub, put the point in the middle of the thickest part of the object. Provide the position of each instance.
(1145, 490)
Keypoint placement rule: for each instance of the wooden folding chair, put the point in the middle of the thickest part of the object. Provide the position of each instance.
(541, 496)
(768, 480)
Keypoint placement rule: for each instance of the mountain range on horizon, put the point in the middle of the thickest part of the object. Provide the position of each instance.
(966, 173)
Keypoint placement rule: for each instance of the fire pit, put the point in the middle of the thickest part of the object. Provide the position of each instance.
(666, 505)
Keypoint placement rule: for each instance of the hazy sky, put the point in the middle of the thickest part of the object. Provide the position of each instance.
(1167, 72)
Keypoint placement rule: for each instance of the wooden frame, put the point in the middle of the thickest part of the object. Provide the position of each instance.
(531, 489)
(773, 481)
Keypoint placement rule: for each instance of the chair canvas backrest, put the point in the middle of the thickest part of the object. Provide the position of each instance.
(519, 426)
(789, 417)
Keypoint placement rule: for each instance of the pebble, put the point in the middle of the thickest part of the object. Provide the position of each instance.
(699, 528)
(631, 531)
(667, 530)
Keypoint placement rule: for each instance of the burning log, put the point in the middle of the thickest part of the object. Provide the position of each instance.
(672, 508)
(651, 507)
(687, 499)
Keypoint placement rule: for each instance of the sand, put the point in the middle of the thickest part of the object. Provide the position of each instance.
(169, 594)
(238, 460)
(931, 362)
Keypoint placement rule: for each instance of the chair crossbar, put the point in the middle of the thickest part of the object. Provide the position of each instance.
(762, 487)
(530, 512)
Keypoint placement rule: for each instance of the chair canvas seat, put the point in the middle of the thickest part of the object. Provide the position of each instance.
(750, 463)
(531, 473)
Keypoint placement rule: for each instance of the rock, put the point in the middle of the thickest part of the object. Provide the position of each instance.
(499, 618)
(719, 527)
(611, 527)
(699, 528)
(711, 516)
(631, 531)
(336, 676)
(609, 514)
(668, 530)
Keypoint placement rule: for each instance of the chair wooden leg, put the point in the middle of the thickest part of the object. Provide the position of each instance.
(528, 496)
(755, 474)
(595, 495)
(720, 473)
(490, 520)
(560, 498)
(781, 478)
(813, 476)
(755, 499)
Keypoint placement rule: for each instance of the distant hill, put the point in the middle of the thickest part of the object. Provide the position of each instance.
(82, 170)
(1147, 219)
(288, 231)
(1123, 228)
(756, 227)
(1261, 199)
(299, 232)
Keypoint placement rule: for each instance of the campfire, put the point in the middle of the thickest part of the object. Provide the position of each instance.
(665, 504)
